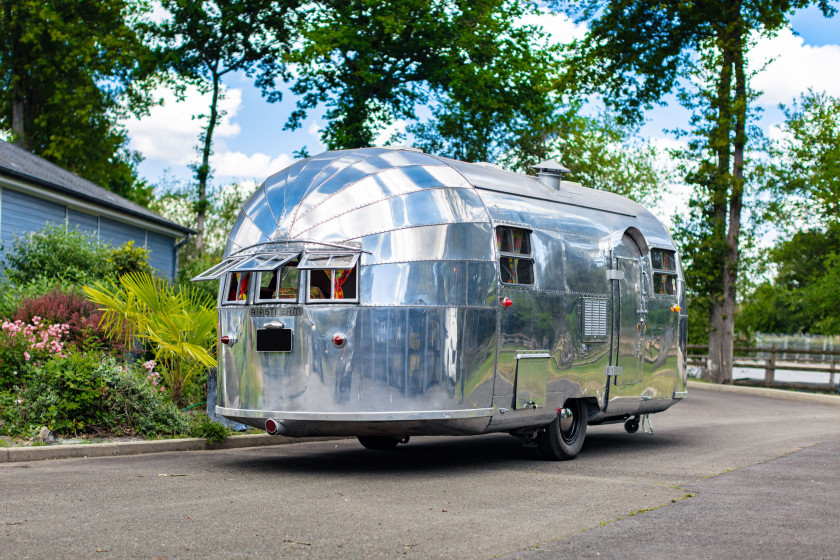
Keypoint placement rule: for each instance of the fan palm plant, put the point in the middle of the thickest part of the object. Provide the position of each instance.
(179, 325)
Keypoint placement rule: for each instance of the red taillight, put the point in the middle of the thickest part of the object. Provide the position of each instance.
(271, 426)
(505, 302)
(339, 339)
(225, 339)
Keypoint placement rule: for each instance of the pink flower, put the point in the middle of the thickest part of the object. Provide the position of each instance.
(26, 356)
(19, 401)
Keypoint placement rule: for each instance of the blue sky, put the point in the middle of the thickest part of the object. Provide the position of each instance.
(251, 144)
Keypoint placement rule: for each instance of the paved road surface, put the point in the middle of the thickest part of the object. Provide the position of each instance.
(764, 474)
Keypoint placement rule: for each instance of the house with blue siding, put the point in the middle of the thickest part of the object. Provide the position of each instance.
(35, 193)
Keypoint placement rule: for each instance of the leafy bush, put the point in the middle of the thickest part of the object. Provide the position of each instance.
(203, 427)
(72, 309)
(179, 324)
(127, 258)
(89, 394)
(56, 252)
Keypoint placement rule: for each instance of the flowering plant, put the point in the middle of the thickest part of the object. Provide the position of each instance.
(22, 344)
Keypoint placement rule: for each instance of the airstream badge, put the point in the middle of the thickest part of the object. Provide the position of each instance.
(277, 311)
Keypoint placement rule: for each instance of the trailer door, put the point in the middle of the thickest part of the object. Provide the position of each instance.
(630, 308)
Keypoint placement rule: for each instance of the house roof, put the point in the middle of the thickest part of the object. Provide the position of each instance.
(23, 165)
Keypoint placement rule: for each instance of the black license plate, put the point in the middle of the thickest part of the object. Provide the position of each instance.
(274, 340)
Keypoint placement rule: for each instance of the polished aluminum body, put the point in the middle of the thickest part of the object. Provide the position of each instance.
(423, 345)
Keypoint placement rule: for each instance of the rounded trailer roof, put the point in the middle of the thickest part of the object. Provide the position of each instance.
(347, 195)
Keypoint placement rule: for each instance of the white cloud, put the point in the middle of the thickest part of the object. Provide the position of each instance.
(255, 166)
(559, 27)
(170, 132)
(170, 136)
(314, 130)
(795, 67)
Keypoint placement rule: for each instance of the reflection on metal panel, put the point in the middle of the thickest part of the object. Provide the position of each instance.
(437, 206)
(436, 283)
(450, 242)
(531, 379)
(375, 188)
(631, 313)
(395, 359)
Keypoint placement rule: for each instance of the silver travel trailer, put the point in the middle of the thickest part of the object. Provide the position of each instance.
(385, 292)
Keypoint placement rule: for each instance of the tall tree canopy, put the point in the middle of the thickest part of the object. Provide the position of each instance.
(69, 69)
(803, 177)
(486, 79)
(636, 52)
(201, 42)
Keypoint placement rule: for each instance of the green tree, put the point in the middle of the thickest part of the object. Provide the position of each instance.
(486, 80)
(637, 52)
(69, 70)
(803, 178)
(202, 42)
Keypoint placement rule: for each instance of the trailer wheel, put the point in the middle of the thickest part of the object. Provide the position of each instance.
(632, 425)
(379, 443)
(562, 439)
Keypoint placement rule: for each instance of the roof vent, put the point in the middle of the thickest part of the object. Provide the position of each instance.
(551, 172)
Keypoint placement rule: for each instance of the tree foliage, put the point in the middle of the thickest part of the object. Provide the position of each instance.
(634, 54)
(201, 42)
(802, 177)
(69, 69)
(485, 78)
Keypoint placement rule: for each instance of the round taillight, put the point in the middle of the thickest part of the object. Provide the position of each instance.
(271, 426)
(339, 340)
(225, 339)
(505, 302)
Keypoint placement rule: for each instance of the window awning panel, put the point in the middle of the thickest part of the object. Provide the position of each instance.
(323, 260)
(217, 271)
(262, 262)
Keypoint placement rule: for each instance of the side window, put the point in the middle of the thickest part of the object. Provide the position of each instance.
(332, 276)
(664, 263)
(237, 287)
(280, 284)
(516, 259)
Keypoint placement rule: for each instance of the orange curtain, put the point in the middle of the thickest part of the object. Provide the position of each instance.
(341, 277)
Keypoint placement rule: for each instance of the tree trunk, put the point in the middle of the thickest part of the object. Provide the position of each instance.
(203, 171)
(728, 195)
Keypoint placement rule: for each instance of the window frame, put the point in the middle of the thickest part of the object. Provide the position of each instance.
(664, 273)
(527, 257)
(307, 266)
(258, 284)
(226, 284)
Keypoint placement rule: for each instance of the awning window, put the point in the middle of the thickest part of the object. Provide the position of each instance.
(263, 262)
(245, 263)
(322, 260)
(217, 271)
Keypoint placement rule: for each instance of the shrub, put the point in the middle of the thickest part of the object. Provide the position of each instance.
(70, 308)
(90, 394)
(56, 252)
(127, 258)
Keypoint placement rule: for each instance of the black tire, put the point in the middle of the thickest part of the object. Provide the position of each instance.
(379, 443)
(632, 425)
(562, 440)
